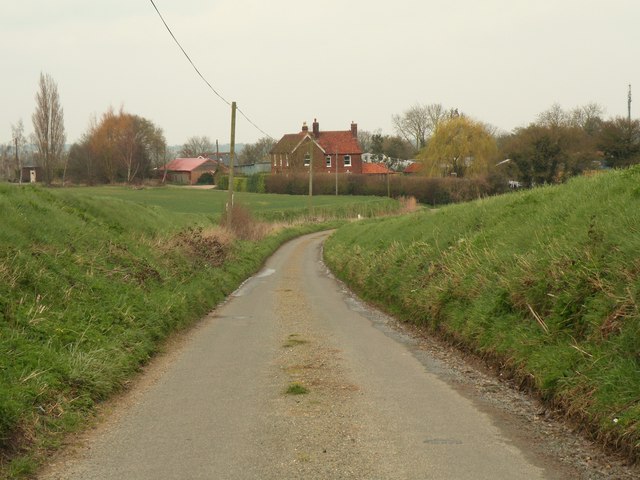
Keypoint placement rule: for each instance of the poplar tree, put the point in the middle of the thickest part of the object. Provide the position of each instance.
(48, 126)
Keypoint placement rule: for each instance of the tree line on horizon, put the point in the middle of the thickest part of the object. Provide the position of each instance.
(558, 144)
(121, 147)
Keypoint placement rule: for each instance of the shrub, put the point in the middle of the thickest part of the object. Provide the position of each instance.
(206, 179)
(256, 183)
(242, 224)
(432, 191)
(239, 183)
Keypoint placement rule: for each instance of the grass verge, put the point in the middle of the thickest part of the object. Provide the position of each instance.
(90, 285)
(543, 283)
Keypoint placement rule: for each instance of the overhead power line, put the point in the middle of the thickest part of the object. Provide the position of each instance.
(202, 76)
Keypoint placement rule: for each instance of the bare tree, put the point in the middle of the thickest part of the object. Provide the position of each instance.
(256, 152)
(418, 123)
(19, 142)
(554, 117)
(588, 117)
(48, 125)
(196, 146)
(5, 162)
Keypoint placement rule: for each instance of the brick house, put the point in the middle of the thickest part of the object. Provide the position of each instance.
(325, 150)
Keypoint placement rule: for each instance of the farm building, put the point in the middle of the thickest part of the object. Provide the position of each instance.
(326, 151)
(187, 171)
(31, 174)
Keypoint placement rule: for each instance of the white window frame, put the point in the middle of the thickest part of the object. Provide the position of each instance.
(307, 159)
(327, 161)
(347, 160)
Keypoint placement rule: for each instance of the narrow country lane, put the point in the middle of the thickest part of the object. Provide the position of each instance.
(372, 411)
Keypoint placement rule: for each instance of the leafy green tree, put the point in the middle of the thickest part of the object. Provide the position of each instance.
(377, 144)
(460, 146)
(396, 147)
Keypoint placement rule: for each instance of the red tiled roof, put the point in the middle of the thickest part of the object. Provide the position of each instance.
(413, 168)
(340, 142)
(374, 168)
(186, 164)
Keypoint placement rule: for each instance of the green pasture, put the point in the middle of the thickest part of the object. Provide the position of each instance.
(186, 200)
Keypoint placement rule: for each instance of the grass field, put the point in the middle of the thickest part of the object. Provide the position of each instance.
(545, 284)
(91, 283)
(264, 206)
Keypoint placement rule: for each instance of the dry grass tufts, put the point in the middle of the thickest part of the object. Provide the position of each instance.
(243, 225)
(408, 204)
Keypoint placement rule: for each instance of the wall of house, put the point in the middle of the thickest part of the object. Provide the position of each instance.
(296, 162)
(356, 164)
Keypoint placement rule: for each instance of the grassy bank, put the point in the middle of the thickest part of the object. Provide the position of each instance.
(543, 283)
(89, 287)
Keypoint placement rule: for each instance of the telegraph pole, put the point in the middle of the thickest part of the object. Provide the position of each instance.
(336, 172)
(231, 161)
(310, 173)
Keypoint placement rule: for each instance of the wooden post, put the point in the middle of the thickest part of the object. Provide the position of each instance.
(388, 185)
(336, 172)
(231, 161)
(310, 173)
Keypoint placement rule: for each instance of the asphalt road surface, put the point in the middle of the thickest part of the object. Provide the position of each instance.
(372, 411)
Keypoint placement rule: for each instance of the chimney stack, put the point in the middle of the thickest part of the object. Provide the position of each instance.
(354, 130)
(304, 127)
(316, 128)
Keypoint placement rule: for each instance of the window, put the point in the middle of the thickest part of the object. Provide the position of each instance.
(307, 159)
(347, 160)
(328, 161)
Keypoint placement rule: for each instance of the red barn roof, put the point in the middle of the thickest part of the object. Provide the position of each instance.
(187, 164)
(374, 169)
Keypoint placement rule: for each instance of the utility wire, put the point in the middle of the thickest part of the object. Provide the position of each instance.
(202, 76)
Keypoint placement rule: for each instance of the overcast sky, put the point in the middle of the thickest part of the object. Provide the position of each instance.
(289, 61)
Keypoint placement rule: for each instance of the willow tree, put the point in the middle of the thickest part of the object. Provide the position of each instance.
(461, 147)
(48, 126)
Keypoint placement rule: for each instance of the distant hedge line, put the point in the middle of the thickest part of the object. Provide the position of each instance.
(433, 191)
